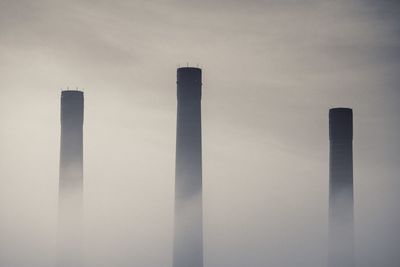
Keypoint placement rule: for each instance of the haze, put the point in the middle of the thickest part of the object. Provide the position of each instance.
(271, 71)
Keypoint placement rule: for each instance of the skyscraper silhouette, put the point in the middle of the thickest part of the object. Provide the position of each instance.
(188, 228)
(341, 233)
(71, 179)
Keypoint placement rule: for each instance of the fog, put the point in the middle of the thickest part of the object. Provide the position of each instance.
(271, 71)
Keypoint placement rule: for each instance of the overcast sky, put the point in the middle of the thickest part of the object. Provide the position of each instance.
(271, 71)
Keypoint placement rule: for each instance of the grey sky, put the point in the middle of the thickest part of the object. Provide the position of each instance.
(271, 70)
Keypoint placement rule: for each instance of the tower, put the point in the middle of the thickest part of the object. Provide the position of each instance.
(188, 227)
(341, 232)
(71, 179)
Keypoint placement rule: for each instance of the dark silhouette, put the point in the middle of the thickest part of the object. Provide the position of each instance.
(71, 179)
(341, 232)
(188, 239)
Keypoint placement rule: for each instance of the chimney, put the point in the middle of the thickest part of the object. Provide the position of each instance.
(341, 225)
(71, 179)
(188, 228)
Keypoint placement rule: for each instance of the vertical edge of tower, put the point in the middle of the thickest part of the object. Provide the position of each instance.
(188, 225)
(70, 206)
(341, 203)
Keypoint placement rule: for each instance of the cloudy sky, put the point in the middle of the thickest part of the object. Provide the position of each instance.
(271, 71)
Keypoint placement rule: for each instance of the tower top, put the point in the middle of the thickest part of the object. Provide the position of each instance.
(72, 107)
(72, 92)
(340, 124)
(189, 68)
(190, 75)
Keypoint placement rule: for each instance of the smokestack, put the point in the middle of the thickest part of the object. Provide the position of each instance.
(71, 179)
(188, 239)
(341, 228)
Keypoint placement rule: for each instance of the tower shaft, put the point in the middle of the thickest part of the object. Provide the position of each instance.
(188, 228)
(341, 203)
(71, 179)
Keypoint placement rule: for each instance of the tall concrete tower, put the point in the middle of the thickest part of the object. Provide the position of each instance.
(71, 179)
(341, 225)
(188, 239)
